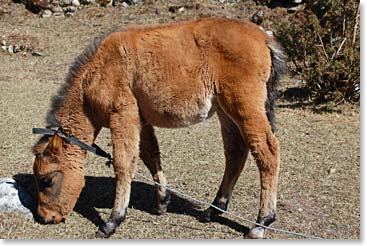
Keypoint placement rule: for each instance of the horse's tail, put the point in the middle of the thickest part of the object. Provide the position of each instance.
(278, 68)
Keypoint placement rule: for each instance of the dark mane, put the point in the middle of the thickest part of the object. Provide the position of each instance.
(74, 69)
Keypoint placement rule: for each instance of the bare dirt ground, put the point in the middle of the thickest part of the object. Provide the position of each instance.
(319, 192)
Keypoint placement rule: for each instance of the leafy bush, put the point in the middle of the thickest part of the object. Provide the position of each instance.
(322, 43)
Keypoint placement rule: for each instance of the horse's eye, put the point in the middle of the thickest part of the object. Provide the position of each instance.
(50, 184)
(45, 182)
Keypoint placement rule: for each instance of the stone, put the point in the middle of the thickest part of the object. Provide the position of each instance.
(13, 198)
(17, 48)
(256, 233)
(182, 9)
(36, 53)
(71, 9)
(41, 3)
(258, 17)
(10, 49)
(109, 3)
(158, 12)
(138, 1)
(47, 13)
(75, 3)
(69, 14)
(64, 3)
(270, 33)
(56, 9)
(228, 1)
(59, 14)
(54, 2)
(125, 5)
(332, 171)
(295, 9)
(88, 2)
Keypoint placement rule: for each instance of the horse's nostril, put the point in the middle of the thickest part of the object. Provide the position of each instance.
(53, 219)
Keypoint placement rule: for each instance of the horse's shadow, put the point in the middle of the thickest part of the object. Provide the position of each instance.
(99, 192)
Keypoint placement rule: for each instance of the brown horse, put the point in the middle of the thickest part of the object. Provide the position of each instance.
(171, 76)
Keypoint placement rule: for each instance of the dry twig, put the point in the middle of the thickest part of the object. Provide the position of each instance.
(323, 47)
(339, 49)
(345, 17)
(356, 23)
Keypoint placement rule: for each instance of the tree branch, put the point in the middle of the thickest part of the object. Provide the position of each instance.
(356, 23)
(323, 47)
(340, 47)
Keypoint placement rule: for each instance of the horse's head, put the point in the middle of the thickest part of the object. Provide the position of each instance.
(59, 179)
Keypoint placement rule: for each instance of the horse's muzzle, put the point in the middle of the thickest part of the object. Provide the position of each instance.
(46, 216)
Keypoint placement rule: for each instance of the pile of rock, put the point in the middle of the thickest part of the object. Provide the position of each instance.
(228, 1)
(290, 5)
(47, 8)
(19, 43)
(13, 198)
(59, 7)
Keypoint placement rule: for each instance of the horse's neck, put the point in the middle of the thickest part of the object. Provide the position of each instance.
(72, 118)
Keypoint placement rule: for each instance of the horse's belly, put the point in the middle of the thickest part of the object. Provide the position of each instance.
(178, 112)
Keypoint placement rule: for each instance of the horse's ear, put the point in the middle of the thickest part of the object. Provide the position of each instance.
(54, 146)
(41, 145)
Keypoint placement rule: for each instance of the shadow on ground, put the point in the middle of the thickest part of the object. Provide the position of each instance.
(299, 97)
(295, 97)
(99, 192)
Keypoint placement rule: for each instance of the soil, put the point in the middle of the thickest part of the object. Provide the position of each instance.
(319, 191)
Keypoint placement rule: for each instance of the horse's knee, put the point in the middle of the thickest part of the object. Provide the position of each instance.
(265, 150)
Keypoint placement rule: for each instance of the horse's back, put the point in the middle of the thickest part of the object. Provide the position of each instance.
(180, 66)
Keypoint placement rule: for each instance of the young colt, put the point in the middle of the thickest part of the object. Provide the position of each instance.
(171, 76)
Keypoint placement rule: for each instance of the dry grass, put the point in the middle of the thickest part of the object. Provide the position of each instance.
(319, 178)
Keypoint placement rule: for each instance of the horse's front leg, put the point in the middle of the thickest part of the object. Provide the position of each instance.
(125, 130)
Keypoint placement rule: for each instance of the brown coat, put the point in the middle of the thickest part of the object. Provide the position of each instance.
(172, 75)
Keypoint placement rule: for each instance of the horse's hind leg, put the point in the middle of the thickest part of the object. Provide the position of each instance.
(246, 106)
(149, 153)
(236, 151)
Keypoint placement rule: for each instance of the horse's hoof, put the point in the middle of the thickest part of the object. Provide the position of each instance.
(256, 233)
(101, 234)
(205, 217)
(106, 230)
(161, 209)
(163, 204)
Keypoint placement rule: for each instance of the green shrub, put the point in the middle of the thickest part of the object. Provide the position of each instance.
(322, 43)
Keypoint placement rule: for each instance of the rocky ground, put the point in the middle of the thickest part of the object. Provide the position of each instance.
(320, 152)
